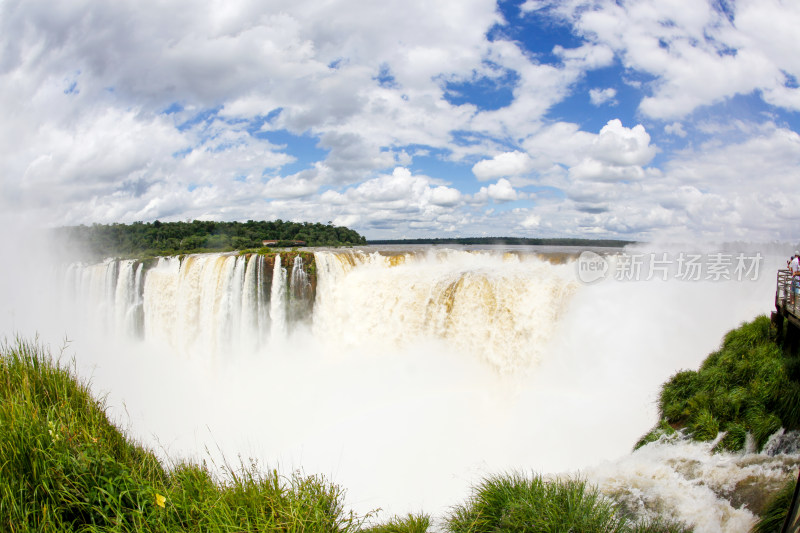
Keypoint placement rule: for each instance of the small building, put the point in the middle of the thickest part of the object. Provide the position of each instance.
(283, 243)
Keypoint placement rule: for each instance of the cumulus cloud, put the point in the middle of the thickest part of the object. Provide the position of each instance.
(398, 198)
(500, 192)
(619, 145)
(125, 111)
(505, 164)
(693, 50)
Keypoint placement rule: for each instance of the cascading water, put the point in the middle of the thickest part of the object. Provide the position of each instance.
(423, 371)
(108, 295)
(301, 293)
(502, 309)
(277, 307)
(216, 302)
(217, 305)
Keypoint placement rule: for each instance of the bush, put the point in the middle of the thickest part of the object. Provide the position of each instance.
(516, 503)
(744, 387)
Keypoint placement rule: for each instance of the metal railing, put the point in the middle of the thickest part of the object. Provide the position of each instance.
(785, 299)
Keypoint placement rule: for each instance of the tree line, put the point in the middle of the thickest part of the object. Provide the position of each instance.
(171, 238)
(526, 241)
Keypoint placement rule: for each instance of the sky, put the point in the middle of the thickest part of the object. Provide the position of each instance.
(633, 119)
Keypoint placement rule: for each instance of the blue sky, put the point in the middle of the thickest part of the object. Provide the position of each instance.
(638, 119)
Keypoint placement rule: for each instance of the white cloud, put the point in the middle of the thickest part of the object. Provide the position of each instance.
(532, 221)
(505, 164)
(695, 53)
(676, 128)
(599, 97)
(585, 57)
(529, 6)
(594, 170)
(85, 137)
(289, 187)
(500, 192)
(445, 196)
(619, 145)
(398, 199)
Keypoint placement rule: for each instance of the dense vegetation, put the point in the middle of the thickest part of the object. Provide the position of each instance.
(170, 238)
(610, 243)
(65, 467)
(749, 386)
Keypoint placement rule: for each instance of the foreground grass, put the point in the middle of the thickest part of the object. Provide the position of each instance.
(748, 386)
(65, 467)
(514, 502)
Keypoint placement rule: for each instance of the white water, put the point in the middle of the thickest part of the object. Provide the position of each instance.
(501, 309)
(417, 373)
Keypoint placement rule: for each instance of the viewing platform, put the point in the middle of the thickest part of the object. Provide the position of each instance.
(787, 308)
(784, 303)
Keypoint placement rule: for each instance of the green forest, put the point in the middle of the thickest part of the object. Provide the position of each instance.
(169, 238)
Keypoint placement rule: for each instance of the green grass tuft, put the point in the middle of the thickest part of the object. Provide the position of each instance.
(747, 386)
(408, 524)
(516, 503)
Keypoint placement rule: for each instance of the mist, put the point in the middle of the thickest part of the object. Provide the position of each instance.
(405, 420)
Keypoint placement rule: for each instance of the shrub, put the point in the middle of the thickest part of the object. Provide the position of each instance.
(746, 386)
(515, 503)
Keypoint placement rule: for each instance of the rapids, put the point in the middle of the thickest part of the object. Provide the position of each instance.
(406, 376)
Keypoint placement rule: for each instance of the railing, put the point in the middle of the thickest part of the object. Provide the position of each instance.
(785, 299)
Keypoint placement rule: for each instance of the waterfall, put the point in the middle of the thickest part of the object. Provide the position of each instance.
(423, 371)
(498, 307)
(128, 298)
(202, 305)
(209, 305)
(277, 308)
(300, 293)
(256, 285)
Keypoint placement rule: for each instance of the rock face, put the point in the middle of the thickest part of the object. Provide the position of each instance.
(783, 443)
(754, 492)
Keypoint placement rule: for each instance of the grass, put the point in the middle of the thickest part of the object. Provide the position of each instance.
(514, 503)
(747, 386)
(65, 467)
(408, 524)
